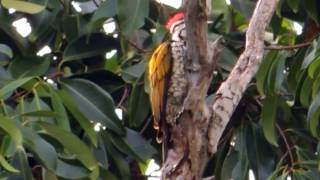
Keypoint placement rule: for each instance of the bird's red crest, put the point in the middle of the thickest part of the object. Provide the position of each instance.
(175, 18)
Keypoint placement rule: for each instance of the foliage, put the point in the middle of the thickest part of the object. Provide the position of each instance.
(50, 104)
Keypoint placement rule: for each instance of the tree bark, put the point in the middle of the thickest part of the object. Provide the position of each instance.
(197, 132)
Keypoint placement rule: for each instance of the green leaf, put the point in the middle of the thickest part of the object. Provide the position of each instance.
(268, 119)
(245, 7)
(136, 70)
(10, 127)
(43, 24)
(22, 6)
(310, 55)
(73, 144)
(131, 14)
(40, 113)
(69, 171)
(229, 164)
(262, 74)
(311, 7)
(318, 151)
(227, 59)
(4, 49)
(305, 155)
(106, 174)
(7, 166)
(11, 86)
(119, 160)
(71, 26)
(20, 162)
(134, 145)
(306, 92)
(42, 149)
(29, 66)
(295, 71)
(106, 10)
(220, 7)
(313, 116)
(259, 152)
(61, 119)
(84, 48)
(139, 106)
(276, 73)
(294, 5)
(82, 120)
(314, 68)
(8, 147)
(132, 73)
(241, 168)
(94, 102)
(100, 153)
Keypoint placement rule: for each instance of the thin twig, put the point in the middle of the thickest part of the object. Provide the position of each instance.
(145, 125)
(288, 47)
(55, 75)
(286, 143)
(133, 44)
(124, 96)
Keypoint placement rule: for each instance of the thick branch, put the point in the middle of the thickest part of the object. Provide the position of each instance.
(231, 91)
(187, 154)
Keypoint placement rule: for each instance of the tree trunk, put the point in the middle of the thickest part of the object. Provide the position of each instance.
(198, 130)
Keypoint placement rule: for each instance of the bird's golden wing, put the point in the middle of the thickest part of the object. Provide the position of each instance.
(159, 70)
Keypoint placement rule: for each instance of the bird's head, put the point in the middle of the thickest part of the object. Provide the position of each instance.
(174, 20)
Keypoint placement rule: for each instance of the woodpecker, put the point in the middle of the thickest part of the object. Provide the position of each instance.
(168, 83)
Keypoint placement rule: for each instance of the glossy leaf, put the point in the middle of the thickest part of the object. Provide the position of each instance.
(139, 106)
(82, 120)
(95, 103)
(13, 131)
(20, 162)
(259, 152)
(313, 116)
(268, 119)
(42, 149)
(318, 151)
(5, 165)
(262, 74)
(40, 113)
(71, 25)
(29, 66)
(227, 60)
(314, 68)
(61, 118)
(312, 11)
(132, 14)
(245, 7)
(11, 86)
(121, 163)
(276, 73)
(4, 49)
(133, 144)
(85, 47)
(311, 55)
(8, 147)
(305, 92)
(72, 144)
(229, 164)
(69, 171)
(106, 10)
(294, 5)
(241, 168)
(27, 7)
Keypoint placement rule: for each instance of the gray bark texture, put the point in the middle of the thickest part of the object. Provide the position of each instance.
(196, 136)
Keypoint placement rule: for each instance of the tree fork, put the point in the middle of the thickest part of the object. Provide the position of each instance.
(198, 130)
